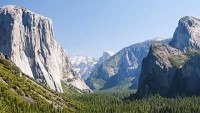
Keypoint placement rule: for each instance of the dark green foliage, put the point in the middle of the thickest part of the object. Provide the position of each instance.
(109, 102)
(102, 102)
(119, 102)
(179, 61)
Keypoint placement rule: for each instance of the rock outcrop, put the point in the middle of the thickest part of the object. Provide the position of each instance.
(106, 55)
(28, 39)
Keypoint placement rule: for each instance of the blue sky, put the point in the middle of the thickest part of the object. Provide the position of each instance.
(89, 27)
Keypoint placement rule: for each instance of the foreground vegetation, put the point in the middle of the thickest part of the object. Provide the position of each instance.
(21, 94)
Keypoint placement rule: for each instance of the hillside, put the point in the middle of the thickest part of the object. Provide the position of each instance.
(20, 93)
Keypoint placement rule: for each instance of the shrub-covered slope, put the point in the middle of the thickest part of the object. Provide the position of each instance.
(22, 94)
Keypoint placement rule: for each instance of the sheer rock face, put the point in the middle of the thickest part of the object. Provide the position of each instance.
(158, 71)
(27, 38)
(187, 34)
(191, 76)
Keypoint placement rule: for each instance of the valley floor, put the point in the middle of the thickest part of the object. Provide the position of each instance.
(114, 102)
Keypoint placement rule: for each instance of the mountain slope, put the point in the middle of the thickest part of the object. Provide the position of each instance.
(122, 70)
(20, 93)
(28, 39)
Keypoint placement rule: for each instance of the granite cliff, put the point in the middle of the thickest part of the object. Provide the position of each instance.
(28, 39)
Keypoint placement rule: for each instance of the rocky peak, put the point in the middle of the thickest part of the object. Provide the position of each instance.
(106, 55)
(187, 34)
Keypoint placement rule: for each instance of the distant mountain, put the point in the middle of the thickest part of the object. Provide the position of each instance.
(122, 70)
(28, 39)
(84, 65)
(106, 55)
(173, 69)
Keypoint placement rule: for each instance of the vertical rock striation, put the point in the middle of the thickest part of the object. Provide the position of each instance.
(28, 39)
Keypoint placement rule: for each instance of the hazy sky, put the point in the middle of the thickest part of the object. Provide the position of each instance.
(89, 27)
